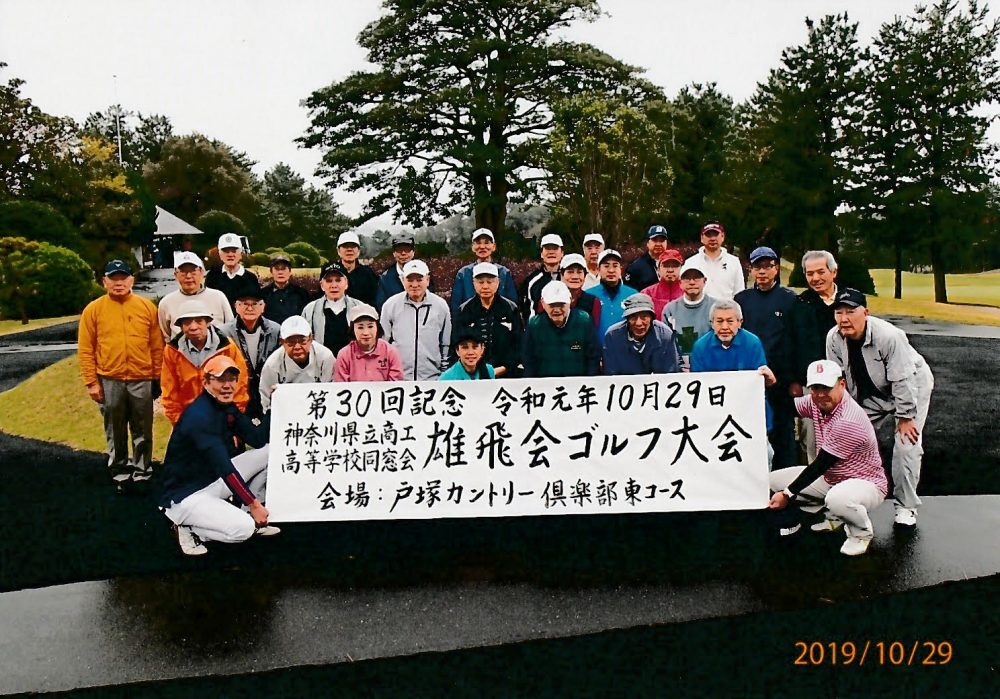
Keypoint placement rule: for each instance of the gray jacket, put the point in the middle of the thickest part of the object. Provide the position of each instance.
(892, 364)
(421, 332)
(313, 312)
(269, 332)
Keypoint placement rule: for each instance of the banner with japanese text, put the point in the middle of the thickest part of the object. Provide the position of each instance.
(580, 445)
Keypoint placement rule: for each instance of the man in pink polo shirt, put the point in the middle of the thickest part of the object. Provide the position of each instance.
(846, 477)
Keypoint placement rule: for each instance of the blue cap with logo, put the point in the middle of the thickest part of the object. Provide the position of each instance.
(117, 266)
(656, 231)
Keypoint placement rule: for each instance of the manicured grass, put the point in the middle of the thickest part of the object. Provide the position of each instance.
(9, 327)
(53, 406)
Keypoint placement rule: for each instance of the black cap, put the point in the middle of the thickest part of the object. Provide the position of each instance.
(280, 258)
(250, 290)
(403, 239)
(850, 297)
(116, 266)
(332, 268)
(467, 333)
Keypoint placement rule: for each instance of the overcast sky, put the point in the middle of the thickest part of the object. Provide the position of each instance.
(236, 70)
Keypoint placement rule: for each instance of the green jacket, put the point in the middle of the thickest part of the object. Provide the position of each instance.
(571, 350)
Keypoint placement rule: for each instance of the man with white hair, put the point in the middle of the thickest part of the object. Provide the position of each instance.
(417, 322)
(298, 360)
(189, 271)
(846, 477)
(233, 279)
(203, 469)
(484, 246)
(562, 340)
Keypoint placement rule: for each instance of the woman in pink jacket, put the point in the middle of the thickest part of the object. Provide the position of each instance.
(367, 357)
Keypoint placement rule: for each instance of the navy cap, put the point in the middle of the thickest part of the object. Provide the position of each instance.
(656, 231)
(332, 268)
(851, 298)
(403, 239)
(116, 266)
(763, 253)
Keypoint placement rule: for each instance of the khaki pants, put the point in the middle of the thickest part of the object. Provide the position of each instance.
(128, 408)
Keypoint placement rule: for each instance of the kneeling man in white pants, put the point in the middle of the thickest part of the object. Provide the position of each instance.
(203, 468)
(846, 477)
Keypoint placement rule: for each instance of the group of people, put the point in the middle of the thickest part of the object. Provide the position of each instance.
(217, 348)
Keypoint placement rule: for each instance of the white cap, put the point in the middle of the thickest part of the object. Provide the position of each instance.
(479, 232)
(593, 238)
(485, 268)
(823, 372)
(574, 258)
(551, 239)
(556, 292)
(230, 240)
(362, 310)
(694, 262)
(295, 325)
(610, 252)
(187, 258)
(349, 238)
(191, 309)
(415, 267)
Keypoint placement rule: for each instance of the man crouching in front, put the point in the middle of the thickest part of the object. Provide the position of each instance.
(201, 471)
(846, 478)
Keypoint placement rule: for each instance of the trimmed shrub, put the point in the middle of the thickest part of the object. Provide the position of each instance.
(214, 223)
(307, 252)
(259, 259)
(39, 280)
(33, 220)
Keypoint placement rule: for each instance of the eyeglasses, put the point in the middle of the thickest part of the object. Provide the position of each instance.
(763, 265)
(297, 341)
(251, 302)
(226, 378)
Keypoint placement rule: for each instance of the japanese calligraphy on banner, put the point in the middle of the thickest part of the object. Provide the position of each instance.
(580, 445)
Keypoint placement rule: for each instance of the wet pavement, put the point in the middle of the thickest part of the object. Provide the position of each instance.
(922, 326)
(217, 623)
(26, 353)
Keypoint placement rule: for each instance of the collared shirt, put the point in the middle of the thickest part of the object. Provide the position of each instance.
(200, 356)
(846, 433)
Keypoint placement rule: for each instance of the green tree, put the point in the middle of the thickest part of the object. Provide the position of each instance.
(195, 174)
(452, 118)
(38, 280)
(294, 211)
(214, 223)
(697, 129)
(142, 136)
(33, 220)
(35, 147)
(941, 66)
(608, 166)
(798, 146)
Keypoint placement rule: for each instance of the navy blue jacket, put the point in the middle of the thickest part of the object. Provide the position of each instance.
(658, 356)
(641, 272)
(201, 448)
(770, 315)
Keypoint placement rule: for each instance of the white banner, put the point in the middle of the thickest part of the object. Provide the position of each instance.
(580, 445)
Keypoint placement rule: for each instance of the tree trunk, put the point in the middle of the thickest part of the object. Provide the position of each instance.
(937, 263)
(897, 284)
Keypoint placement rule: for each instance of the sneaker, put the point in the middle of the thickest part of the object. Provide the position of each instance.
(788, 531)
(267, 530)
(190, 543)
(827, 525)
(906, 517)
(854, 546)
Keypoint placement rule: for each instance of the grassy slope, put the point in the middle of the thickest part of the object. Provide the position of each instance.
(62, 412)
(9, 327)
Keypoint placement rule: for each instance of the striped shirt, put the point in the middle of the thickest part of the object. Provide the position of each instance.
(847, 434)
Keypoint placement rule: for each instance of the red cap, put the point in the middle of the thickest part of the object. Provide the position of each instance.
(672, 255)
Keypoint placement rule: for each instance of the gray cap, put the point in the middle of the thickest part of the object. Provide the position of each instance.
(638, 303)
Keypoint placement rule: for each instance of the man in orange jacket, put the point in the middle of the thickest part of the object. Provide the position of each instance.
(120, 350)
(185, 356)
